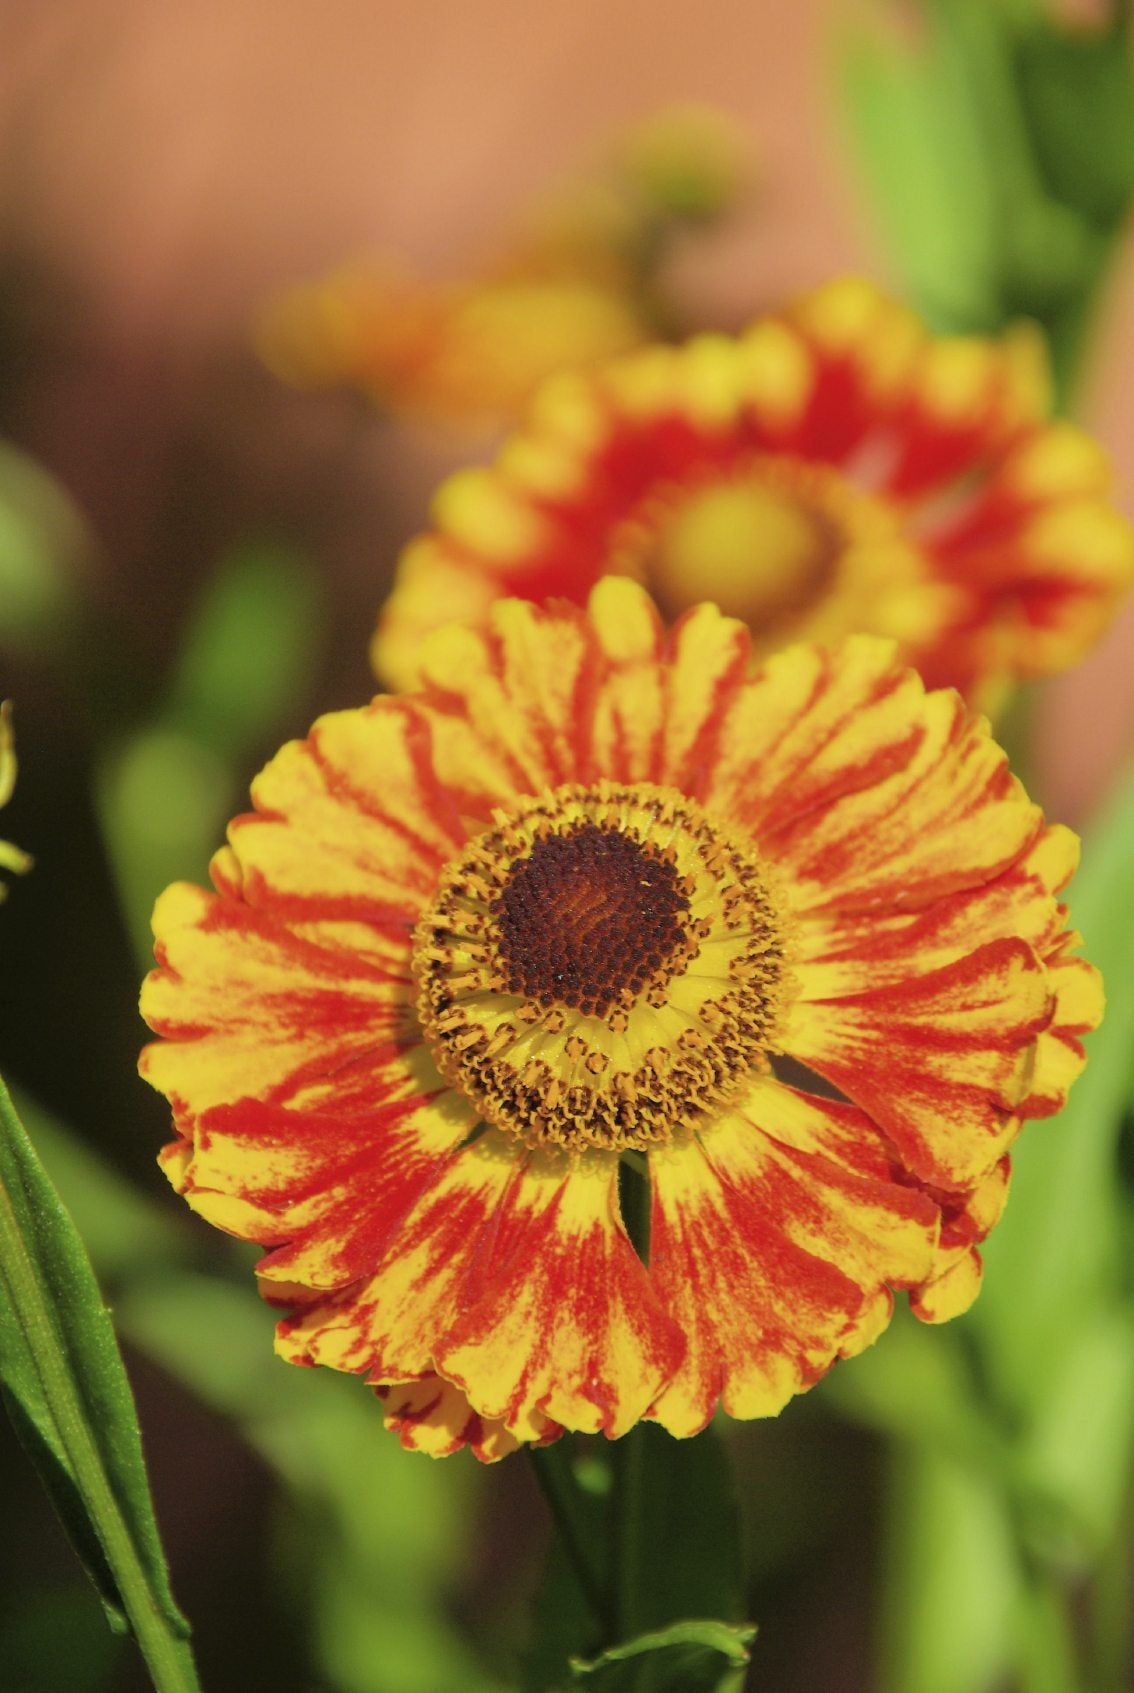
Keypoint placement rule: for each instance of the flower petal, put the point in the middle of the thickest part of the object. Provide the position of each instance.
(941, 1061)
(771, 1249)
(556, 1316)
(431, 1415)
(863, 790)
(350, 823)
(249, 1009)
(387, 1323)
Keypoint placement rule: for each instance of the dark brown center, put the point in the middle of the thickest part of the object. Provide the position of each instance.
(587, 917)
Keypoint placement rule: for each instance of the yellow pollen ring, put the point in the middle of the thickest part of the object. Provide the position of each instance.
(764, 539)
(600, 967)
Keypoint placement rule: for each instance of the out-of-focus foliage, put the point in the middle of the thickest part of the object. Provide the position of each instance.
(167, 786)
(43, 543)
(997, 143)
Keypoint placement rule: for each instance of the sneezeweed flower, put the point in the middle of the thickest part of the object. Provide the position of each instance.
(597, 911)
(457, 351)
(573, 286)
(11, 857)
(833, 470)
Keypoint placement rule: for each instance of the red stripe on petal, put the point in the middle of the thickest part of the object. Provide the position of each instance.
(556, 1314)
(762, 1317)
(942, 1061)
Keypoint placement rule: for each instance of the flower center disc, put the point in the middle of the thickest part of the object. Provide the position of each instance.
(600, 967)
(764, 539)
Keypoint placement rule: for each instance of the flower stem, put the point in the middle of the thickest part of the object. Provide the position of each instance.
(551, 1466)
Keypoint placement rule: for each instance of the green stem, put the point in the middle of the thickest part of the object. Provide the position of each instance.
(1112, 1611)
(627, 1524)
(167, 1656)
(551, 1466)
(1049, 1658)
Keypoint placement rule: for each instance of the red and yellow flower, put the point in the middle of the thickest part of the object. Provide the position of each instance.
(834, 470)
(600, 916)
(573, 286)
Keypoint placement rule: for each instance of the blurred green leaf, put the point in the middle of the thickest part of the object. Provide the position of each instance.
(1077, 89)
(249, 650)
(915, 126)
(165, 792)
(42, 540)
(953, 1586)
(687, 1657)
(915, 1382)
(1074, 1460)
(52, 1640)
(163, 800)
(67, 1391)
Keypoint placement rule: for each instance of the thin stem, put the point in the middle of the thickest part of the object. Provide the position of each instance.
(167, 1656)
(1112, 1611)
(551, 1466)
(629, 1558)
(1049, 1658)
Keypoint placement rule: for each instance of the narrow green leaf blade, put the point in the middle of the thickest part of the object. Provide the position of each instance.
(63, 1375)
(687, 1657)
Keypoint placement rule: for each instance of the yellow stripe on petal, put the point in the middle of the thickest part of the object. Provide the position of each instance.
(558, 1317)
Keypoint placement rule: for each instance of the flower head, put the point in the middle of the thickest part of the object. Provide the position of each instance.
(600, 912)
(834, 470)
(574, 285)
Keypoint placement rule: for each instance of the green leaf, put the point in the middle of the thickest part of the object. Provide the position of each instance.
(1074, 1461)
(687, 1657)
(1077, 91)
(915, 1383)
(42, 542)
(249, 649)
(914, 124)
(66, 1388)
(953, 1585)
(165, 792)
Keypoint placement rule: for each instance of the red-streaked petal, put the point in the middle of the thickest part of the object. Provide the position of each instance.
(556, 1316)
(351, 823)
(837, 953)
(431, 1415)
(941, 1061)
(772, 1238)
(250, 1010)
(325, 1191)
(866, 792)
(387, 1324)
